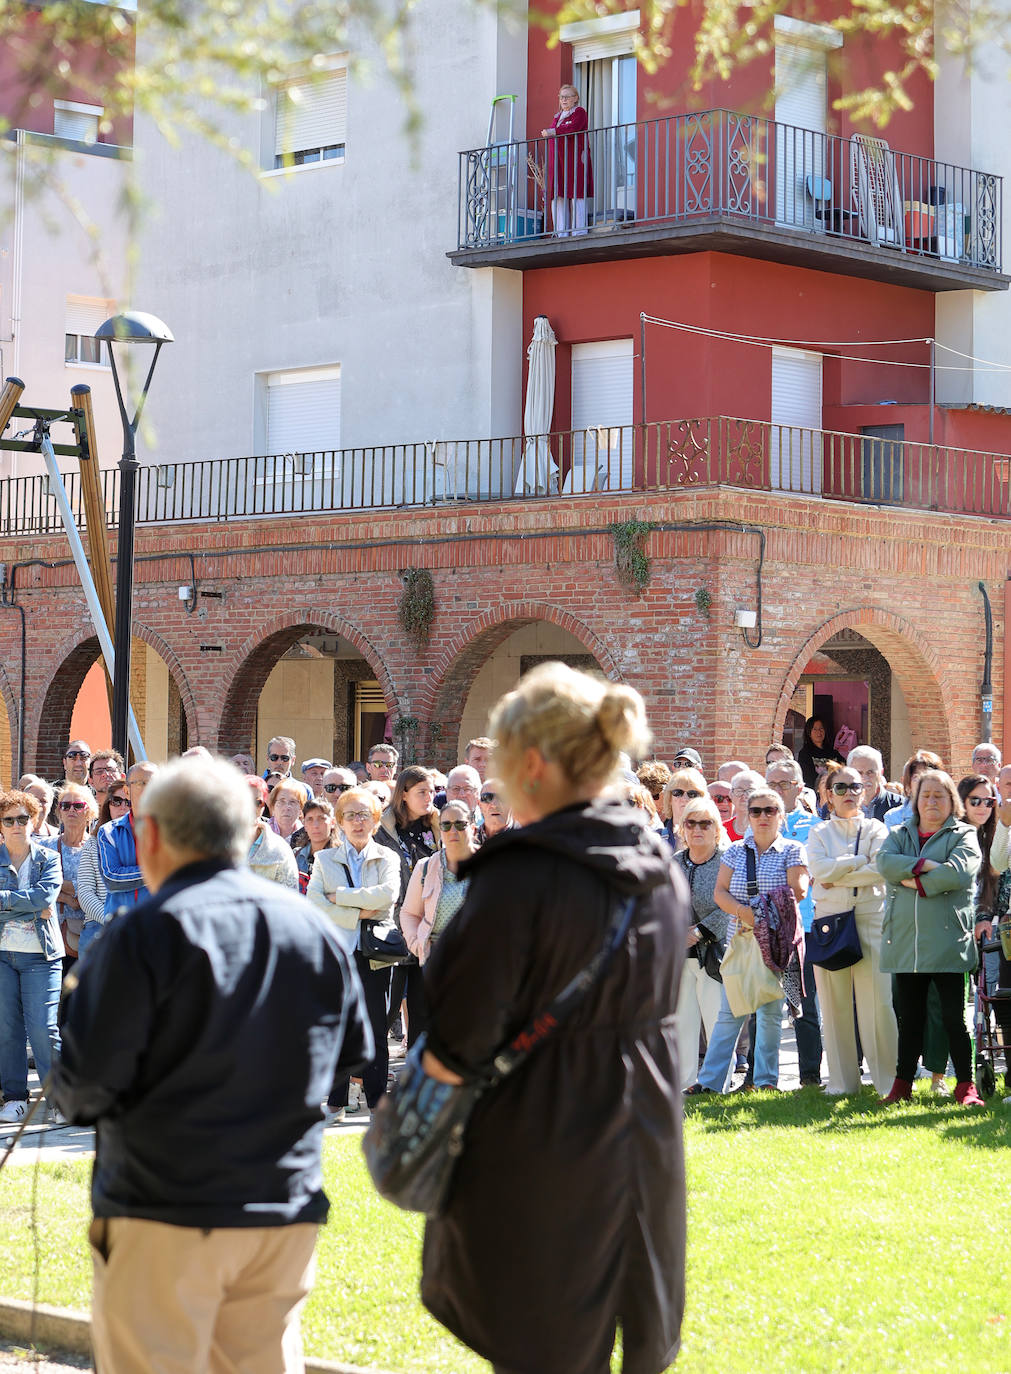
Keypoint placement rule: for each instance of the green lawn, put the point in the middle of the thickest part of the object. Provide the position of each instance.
(823, 1235)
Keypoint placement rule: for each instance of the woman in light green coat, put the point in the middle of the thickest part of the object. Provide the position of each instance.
(930, 865)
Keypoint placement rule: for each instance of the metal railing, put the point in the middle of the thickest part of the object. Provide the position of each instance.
(665, 456)
(721, 164)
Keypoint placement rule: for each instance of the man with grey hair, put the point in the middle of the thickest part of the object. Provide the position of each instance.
(986, 760)
(463, 784)
(870, 765)
(742, 784)
(204, 1032)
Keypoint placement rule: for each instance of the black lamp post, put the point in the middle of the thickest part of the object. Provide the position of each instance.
(131, 327)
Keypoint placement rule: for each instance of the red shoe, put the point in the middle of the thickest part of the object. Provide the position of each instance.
(966, 1095)
(902, 1091)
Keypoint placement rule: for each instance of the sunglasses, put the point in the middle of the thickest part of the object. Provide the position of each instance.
(119, 801)
(337, 786)
(680, 792)
(841, 788)
(720, 796)
(763, 810)
(73, 806)
(357, 816)
(279, 758)
(698, 825)
(489, 796)
(453, 825)
(76, 754)
(988, 802)
(11, 821)
(382, 763)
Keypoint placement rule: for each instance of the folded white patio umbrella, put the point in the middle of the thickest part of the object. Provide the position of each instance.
(538, 471)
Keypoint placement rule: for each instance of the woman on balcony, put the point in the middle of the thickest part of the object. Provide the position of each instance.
(570, 170)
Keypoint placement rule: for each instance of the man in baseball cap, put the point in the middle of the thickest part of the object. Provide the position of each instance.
(688, 758)
(312, 774)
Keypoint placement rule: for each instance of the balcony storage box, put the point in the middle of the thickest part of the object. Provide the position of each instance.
(516, 225)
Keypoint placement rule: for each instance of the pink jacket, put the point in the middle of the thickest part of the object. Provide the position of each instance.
(417, 915)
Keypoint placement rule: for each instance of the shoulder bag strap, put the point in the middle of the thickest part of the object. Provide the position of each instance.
(543, 1026)
(347, 871)
(752, 868)
(856, 850)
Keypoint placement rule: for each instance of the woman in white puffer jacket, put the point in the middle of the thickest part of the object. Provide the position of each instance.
(841, 855)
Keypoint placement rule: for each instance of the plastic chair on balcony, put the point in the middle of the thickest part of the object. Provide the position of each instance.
(451, 466)
(876, 192)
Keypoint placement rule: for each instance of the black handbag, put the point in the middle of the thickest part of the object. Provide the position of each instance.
(379, 941)
(418, 1130)
(834, 941)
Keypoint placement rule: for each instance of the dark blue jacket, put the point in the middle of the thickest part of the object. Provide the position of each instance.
(205, 1032)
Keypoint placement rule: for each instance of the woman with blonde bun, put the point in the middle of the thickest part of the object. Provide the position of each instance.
(577, 1157)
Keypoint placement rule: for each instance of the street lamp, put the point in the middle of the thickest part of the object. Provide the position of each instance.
(131, 327)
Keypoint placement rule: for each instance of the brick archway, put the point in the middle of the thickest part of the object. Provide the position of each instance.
(8, 740)
(917, 667)
(254, 660)
(453, 675)
(74, 658)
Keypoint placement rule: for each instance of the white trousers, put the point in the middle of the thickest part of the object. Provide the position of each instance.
(879, 1036)
(698, 1005)
(568, 215)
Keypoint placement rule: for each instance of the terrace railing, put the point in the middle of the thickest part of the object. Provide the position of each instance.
(662, 457)
(719, 164)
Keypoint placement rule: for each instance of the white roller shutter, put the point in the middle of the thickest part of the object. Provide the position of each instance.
(304, 411)
(794, 450)
(79, 122)
(602, 404)
(612, 35)
(311, 114)
(85, 314)
(801, 125)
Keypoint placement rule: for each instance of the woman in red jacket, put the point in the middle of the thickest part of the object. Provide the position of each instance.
(570, 170)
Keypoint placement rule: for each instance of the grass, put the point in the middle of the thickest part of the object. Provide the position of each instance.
(824, 1235)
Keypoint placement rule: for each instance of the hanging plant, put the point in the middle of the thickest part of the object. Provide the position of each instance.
(703, 601)
(416, 611)
(629, 554)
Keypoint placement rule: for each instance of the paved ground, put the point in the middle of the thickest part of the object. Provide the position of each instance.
(17, 1357)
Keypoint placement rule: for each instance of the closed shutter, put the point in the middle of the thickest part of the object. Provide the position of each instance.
(79, 122)
(795, 447)
(85, 314)
(311, 114)
(304, 411)
(602, 407)
(612, 35)
(801, 124)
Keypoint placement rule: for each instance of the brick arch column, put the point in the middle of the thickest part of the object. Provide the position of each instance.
(255, 659)
(452, 676)
(923, 679)
(8, 744)
(50, 728)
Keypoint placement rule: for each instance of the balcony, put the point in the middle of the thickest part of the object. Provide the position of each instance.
(659, 459)
(734, 183)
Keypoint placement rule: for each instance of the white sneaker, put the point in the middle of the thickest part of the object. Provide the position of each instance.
(55, 1117)
(13, 1111)
(333, 1118)
(356, 1098)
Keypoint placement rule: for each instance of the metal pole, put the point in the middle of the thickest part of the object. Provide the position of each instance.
(933, 357)
(986, 686)
(90, 592)
(642, 367)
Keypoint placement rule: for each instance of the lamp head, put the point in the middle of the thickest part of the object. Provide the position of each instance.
(134, 326)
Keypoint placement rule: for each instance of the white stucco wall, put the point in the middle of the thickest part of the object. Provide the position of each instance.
(972, 113)
(339, 263)
(66, 192)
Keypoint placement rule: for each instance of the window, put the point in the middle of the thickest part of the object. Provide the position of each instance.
(802, 119)
(310, 120)
(303, 411)
(795, 449)
(84, 315)
(602, 443)
(79, 122)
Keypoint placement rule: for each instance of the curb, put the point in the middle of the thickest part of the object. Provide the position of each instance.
(61, 1328)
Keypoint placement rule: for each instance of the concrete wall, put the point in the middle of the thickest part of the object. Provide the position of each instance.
(297, 700)
(339, 262)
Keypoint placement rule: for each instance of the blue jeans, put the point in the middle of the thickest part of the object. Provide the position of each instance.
(718, 1068)
(89, 931)
(29, 1000)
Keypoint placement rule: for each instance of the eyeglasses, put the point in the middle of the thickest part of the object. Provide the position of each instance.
(104, 773)
(357, 816)
(11, 821)
(739, 791)
(76, 754)
(382, 763)
(453, 825)
(73, 806)
(763, 810)
(841, 788)
(119, 801)
(337, 786)
(680, 792)
(489, 796)
(988, 802)
(698, 825)
(279, 758)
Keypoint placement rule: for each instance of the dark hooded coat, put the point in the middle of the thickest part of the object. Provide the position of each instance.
(567, 1215)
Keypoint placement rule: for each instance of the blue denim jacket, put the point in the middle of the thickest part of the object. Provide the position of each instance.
(45, 881)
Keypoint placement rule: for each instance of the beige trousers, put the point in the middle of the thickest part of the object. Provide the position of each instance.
(178, 1300)
(879, 1036)
(698, 1005)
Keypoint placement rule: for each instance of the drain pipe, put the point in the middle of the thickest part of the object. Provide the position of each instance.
(986, 686)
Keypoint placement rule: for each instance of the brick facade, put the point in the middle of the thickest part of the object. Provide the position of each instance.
(906, 581)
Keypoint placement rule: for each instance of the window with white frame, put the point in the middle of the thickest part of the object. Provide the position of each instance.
(310, 119)
(303, 411)
(84, 315)
(76, 121)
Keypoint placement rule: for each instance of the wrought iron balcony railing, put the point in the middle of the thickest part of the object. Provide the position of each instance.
(720, 165)
(662, 458)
